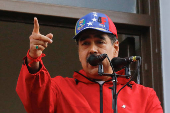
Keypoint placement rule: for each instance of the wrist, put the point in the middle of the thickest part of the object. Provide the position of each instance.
(32, 60)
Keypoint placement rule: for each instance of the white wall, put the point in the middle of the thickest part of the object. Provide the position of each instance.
(165, 38)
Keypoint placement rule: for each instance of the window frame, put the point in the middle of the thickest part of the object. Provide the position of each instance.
(146, 24)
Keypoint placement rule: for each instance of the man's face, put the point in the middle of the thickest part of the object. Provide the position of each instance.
(96, 42)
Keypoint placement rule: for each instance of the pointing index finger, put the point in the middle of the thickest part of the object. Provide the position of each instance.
(36, 26)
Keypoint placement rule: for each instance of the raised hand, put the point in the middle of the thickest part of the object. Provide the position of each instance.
(38, 42)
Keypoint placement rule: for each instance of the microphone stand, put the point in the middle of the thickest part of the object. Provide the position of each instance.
(114, 101)
(114, 79)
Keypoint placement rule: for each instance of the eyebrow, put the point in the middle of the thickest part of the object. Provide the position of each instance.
(84, 37)
(101, 37)
(87, 36)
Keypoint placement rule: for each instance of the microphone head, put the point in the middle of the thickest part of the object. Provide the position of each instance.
(95, 60)
(118, 62)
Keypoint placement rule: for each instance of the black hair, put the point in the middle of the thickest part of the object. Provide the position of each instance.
(112, 37)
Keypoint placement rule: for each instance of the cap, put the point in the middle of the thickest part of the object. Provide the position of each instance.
(97, 21)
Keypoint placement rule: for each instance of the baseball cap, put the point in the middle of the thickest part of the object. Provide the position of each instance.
(97, 21)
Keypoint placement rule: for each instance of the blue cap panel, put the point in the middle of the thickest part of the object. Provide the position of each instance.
(93, 20)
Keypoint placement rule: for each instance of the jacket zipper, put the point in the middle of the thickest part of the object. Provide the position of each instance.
(101, 98)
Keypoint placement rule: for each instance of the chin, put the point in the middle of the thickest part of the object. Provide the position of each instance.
(93, 71)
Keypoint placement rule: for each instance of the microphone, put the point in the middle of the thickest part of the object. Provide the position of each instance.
(118, 62)
(95, 60)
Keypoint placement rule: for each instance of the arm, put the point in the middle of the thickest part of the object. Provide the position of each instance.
(34, 82)
(35, 90)
(153, 104)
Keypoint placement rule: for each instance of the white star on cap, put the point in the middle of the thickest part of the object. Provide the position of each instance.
(94, 19)
(90, 23)
(124, 106)
(95, 14)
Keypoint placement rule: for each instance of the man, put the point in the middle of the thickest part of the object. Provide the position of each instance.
(87, 91)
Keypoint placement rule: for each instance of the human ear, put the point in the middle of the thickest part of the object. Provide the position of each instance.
(116, 48)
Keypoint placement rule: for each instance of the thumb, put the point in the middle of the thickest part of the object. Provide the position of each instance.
(50, 35)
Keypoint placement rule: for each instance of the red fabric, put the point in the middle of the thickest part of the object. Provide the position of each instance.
(112, 27)
(34, 59)
(40, 93)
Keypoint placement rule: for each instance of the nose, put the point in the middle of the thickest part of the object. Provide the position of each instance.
(93, 49)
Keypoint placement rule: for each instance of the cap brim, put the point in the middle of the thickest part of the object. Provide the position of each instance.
(99, 29)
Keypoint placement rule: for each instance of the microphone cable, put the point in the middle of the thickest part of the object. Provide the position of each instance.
(130, 79)
(139, 61)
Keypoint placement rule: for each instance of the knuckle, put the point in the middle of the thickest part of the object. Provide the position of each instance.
(45, 44)
(40, 37)
(31, 36)
(31, 47)
(42, 48)
(30, 41)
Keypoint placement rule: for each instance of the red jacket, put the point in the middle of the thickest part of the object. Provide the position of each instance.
(40, 93)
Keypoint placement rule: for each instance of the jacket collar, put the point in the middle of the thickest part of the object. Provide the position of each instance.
(81, 76)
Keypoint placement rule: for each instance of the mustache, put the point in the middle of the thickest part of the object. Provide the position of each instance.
(95, 60)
